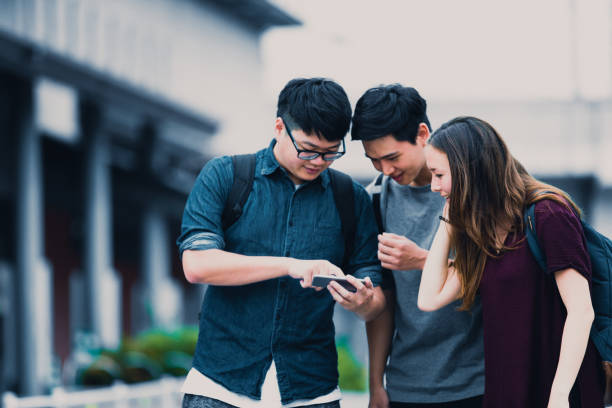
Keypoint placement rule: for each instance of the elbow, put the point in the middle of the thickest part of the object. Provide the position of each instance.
(193, 270)
(588, 315)
(585, 315)
(190, 274)
(426, 306)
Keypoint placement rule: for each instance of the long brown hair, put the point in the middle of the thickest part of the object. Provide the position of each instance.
(490, 191)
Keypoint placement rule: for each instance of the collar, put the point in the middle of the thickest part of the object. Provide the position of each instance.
(270, 164)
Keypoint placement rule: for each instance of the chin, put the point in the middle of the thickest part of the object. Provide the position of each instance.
(404, 180)
(304, 175)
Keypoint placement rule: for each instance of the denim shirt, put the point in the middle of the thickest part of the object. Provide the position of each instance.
(242, 328)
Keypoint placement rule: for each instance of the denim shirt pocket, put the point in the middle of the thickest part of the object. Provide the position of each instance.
(327, 242)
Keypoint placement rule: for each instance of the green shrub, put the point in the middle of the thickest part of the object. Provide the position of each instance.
(353, 376)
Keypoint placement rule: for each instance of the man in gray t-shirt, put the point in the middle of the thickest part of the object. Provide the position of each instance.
(432, 359)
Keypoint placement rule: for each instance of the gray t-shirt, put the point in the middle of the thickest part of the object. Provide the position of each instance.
(435, 356)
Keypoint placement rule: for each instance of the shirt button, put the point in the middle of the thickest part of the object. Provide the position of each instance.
(278, 317)
(290, 223)
(287, 253)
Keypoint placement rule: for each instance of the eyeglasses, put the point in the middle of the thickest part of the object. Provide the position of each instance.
(311, 154)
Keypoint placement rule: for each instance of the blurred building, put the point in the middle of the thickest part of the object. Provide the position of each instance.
(107, 112)
(565, 143)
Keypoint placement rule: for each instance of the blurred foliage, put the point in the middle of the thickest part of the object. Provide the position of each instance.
(102, 372)
(353, 375)
(154, 353)
(145, 357)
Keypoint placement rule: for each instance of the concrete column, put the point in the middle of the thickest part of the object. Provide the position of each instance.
(33, 274)
(102, 284)
(161, 293)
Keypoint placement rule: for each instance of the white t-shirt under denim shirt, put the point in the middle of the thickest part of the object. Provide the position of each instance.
(198, 384)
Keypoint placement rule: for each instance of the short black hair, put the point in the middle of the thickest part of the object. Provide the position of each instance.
(315, 105)
(389, 109)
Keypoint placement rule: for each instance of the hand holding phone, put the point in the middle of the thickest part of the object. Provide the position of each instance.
(323, 280)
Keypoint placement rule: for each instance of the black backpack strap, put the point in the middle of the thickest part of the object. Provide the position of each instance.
(376, 202)
(344, 197)
(532, 237)
(244, 172)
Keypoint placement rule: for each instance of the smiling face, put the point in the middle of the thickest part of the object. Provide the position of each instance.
(403, 161)
(299, 170)
(437, 163)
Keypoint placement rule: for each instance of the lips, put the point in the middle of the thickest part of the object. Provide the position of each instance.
(397, 177)
(311, 170)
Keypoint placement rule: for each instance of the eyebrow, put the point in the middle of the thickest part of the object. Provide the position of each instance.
(387, 156)
(312, 145)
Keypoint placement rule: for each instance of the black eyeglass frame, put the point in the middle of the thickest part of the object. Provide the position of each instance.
(311, 154)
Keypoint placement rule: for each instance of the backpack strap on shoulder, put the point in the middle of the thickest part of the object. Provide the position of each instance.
(344, 197)
(244, 173)
(376, 202)
(532, 237)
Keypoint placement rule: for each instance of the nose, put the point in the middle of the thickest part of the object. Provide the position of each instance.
(435, 187)
(387, 168)
(319, 161)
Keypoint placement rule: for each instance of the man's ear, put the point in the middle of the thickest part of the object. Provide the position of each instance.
(279, 126)
(422, 135)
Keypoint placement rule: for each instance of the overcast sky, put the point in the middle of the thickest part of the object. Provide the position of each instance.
(450, 50)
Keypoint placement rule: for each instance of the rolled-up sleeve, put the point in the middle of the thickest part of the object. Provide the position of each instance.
(201, 227)
(364, 260)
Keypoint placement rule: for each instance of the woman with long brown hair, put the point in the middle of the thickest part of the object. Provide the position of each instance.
(536, 323)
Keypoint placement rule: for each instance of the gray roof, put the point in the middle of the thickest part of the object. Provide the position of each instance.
(259, 14)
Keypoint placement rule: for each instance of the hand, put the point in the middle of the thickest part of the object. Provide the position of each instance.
(397, 252)
(305, 269)
(356, 302)
(378, 398)
(445, 209)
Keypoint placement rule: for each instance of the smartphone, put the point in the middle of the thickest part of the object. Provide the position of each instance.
(323, 280)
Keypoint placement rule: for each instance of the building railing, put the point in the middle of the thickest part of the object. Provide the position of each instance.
(163, 393)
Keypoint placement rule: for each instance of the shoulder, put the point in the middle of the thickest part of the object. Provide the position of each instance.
(557, 221)
(220, 163)
(217, 173)
(550, 210)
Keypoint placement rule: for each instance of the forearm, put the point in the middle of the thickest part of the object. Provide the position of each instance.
(435, 272)
(574, 291)
(380, 333)
(217, 267)
(573, 346)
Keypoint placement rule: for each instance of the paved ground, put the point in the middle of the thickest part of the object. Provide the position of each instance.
(354, 400)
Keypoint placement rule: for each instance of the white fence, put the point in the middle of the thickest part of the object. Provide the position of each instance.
(163, 393)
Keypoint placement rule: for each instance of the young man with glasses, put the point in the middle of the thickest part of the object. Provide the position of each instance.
(432, 360)
(261, 319)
